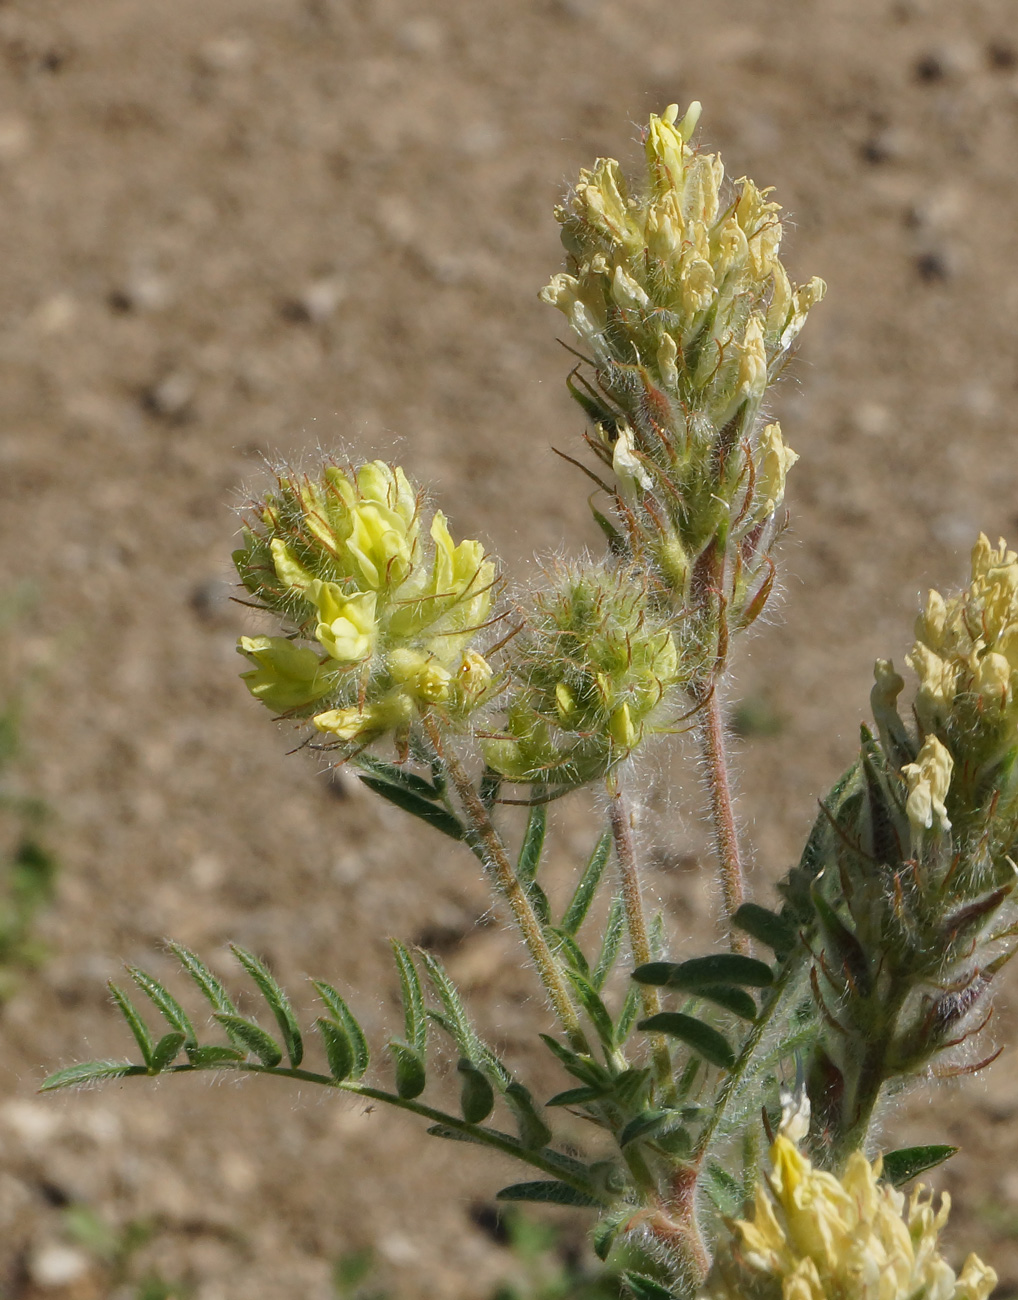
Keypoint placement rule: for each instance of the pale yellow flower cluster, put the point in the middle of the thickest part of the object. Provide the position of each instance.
(389, 618)
(814, 1236)
(967, 646)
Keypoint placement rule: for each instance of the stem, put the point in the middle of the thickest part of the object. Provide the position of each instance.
(726, 837)
(738, 1071)
(625, 853)
(491, 850)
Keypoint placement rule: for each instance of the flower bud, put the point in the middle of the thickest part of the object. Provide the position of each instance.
(929, 779)
(592, 675)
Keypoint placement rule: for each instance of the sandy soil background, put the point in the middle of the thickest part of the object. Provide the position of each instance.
(232, 229)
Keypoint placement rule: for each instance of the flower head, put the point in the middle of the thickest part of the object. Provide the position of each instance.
(815, 1236)
(380, 619)
(592, 674)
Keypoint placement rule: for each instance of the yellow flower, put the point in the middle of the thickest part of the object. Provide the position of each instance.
(286, 677)
(928, 780)
(814, 1236)
(346, 629)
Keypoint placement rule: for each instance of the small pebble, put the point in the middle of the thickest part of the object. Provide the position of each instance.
(55, 1265)
(144, 291)
(171, 396)
(317, 301)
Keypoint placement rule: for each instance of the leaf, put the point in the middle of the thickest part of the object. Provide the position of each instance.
(166, 1003)
(533, 843)
(135, 1023)
(435, 816)
(342, 1014)
(278, 1002)
(576, 1096)
(844, 946)
(649, 1124)
(414, 1018)
(213, 1056)
(603, 1236)
(703, 972)
(477, 1097)
(737, 1001)
(705, 1040)
(725, 1191)
(396, 776)
(567, 946)
(75, 1076)
(538, 901)
(455, 1021)
(411, 1075)
(613, 931)
(766, 927)
(338, 1048)
(627, 1016)
(583, 897)
(595, 1008)
(904, 1164)
(206, 981)
(534, 1132)
(581, 1067)
(166, 1050)
(645, 1288)
(546, 1192)
(246, 1034)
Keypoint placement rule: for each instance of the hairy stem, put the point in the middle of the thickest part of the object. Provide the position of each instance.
(625, 853)
(491, 850)
(726, 837)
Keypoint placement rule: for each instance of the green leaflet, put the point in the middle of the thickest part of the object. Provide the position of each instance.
(906, 1163)
(705, 1040)
(278, 1002)
(205, 980)
(533, 844)
(546, 1192)
(246, 1034)
(338, 1049)
(417, 806)
(73, 1076)
(766, 927)
(166, 1003)
(343, 1017)
(704, 972)
(579, 906)
(379, 770)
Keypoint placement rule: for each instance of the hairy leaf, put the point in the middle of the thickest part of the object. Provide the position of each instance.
(135, 1023)
(580, 1066)
(278, 1002)
(411, 1074)
(576, 1096)
(546, 1193)
(417, 806)
(174, 1014)
(725, 1191)
(75, 1076)
(396, 776)
(738, 1001)
(704, 972)
(705, 1040)
(534, 1132)
(206, 981)
(252, 1037)
(343, 1016)
(213, 1056)
(579, 906)
(906, 1163)
(533, 844)
(338, 1049)
(595, 1008)
(477, 1097)
(766, 927)
(414, 1018)
(613, 931)
(166, 1050)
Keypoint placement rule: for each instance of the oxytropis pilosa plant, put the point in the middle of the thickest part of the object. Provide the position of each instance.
(400, 654)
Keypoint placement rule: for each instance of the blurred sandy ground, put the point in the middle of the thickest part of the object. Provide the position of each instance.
(235, 230)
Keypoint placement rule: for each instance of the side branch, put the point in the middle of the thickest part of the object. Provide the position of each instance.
(492, 852)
